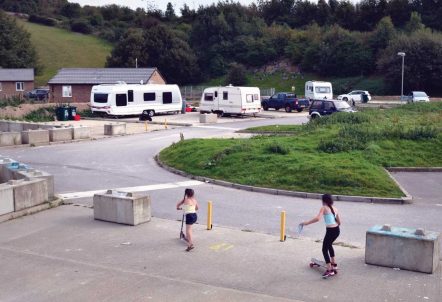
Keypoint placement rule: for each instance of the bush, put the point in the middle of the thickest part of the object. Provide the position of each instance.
(341, 144)
(81, 26)
(42, 20)
(41, 115)
(14, 101)
(277, 148)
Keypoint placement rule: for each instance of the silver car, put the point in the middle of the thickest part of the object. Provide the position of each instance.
(415, 96)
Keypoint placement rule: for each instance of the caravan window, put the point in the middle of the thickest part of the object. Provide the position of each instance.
(225, 95)
(149, 96)
(249, 98)
(100, 97)
(216, 94)
(130, 95)
(255, 97)
(208, 96)
(322, 89)
(167, 97)
(121, 99)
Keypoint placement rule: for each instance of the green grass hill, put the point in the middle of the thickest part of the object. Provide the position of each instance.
(58, 48)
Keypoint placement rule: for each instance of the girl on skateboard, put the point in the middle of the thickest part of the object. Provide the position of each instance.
(190, 206)
(332, 222)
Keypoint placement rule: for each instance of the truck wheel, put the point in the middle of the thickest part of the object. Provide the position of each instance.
(300, 109)
(288, 108)
(265, 107)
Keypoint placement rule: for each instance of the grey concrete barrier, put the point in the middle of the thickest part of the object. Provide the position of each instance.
(28, 193)
(6, 173)
(60, 134)
(4, 126)
(120, 207)
(404, 248)
(36, 137)
(81, 132)
(32, 174)
(208, 118)
(6, 199)
(30, 126)
(15, 126)
(115, 129)
(10, 138)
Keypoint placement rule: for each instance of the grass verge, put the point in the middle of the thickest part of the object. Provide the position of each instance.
(340, 154)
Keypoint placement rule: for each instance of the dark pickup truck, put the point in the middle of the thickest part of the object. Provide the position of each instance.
(286, 100)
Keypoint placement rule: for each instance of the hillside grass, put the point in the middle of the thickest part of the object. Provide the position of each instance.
(340, 154)
(281, 82)
(58, 48)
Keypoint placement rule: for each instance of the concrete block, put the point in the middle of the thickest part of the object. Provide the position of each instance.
(403, 248)
(115, 129)
(7, 167)
(208, 118)
(4, 126)
(6, 199)
(36, 137)
(28, 193)
(36, 174)
(10, 138)
(15, 126)
(124, 208)
(30, 126)
(81, 132)
(60, 134)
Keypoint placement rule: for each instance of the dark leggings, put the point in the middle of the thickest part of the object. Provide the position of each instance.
(327, 245)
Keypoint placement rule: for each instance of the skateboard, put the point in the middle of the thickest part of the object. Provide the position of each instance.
(318, 263)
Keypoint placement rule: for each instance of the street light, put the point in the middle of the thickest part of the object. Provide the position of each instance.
(402, 54)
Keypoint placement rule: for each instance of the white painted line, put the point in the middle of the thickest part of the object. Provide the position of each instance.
(172, 185)
(177, 136)
(217, 127)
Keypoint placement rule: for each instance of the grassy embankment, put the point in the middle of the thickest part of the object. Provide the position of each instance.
(58, 48)
(341, 154)
(283, 83)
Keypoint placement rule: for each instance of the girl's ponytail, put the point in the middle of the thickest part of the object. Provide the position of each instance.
(328, 201)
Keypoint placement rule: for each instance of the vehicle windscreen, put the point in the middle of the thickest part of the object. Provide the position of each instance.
(419, 94)
(322, 89)
(342, 105)
(100, 97)
(290, 95)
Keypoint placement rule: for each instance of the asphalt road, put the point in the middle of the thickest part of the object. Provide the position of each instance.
(128, 161)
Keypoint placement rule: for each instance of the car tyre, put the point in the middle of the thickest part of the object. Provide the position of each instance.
(265, 107)
(288, 108)
(345, 99)
(299, 109)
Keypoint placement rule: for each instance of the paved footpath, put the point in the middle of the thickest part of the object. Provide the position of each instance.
(62, 254)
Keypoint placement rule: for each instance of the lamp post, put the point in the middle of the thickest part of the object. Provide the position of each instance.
(402, 54)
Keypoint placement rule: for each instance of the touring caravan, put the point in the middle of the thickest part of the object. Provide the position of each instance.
(317, 90)
(134, 99)
(231, 100)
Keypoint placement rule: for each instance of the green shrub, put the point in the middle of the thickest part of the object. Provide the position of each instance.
(14, 101)
(341, 144)
(278, 148)
(41, 115)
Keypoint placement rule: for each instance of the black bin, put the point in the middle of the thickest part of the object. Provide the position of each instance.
(62, 113)
(72, 112)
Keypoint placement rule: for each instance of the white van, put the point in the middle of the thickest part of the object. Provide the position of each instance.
(231, 100)
(317, 90)
(134, 99)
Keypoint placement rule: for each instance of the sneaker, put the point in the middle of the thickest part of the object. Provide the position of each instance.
(328, 274)
(334, 266)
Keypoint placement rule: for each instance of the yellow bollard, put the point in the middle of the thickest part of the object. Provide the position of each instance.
(282, 237)
(145, 126)
(209, 215)
(165, 123)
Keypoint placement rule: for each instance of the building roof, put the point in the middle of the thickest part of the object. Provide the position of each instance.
(95, 76)
(16, 74)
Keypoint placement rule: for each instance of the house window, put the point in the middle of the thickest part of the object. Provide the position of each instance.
(225, 95)
(67, 91)
(167, 97)
(19, 86)
(149, 96)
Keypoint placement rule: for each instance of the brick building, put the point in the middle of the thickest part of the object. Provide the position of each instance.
(15, 82)
(75, 84)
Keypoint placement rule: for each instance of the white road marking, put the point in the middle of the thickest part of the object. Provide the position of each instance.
(177, 136)
(172, 185)
(217, 127)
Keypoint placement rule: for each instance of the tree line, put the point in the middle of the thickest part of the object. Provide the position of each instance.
(329, 38)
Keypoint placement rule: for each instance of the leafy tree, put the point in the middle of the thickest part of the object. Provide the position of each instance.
(16, 50)
(237, 75)
(128, 49)
(400, 12)
(81, 26)
(382, 35)
(415, 23)
(170, 12)
(423, 62)
(71, 10)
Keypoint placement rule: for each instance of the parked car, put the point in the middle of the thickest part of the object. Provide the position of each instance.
(356, 96)
(38, 94)
(286, 100)
(320, 108)
(416, 96)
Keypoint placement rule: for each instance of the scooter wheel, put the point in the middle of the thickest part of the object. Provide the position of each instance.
(312, 265)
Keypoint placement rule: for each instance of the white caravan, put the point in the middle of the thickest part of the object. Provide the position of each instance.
(231, 100)
(134, 99)
(317, 90)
